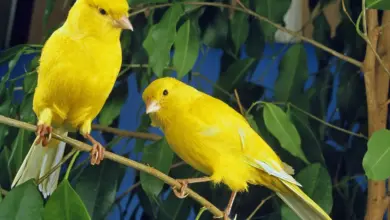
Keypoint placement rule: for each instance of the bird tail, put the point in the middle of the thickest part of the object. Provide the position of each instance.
(38, 162)
(302, 204)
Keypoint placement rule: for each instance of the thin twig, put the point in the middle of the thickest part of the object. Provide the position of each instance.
(311, 116)
(135, 185)
(262, 18)
(131, 188)
(3, 192)
(64, 159)
(259, 206)
(328, 124)
(123, 133)
(71, 164)
(239, 102)
(119, 159)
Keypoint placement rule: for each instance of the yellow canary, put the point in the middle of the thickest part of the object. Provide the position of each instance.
(77, 71)
(216, 140)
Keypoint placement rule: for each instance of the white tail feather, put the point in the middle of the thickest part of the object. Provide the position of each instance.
(39, 161)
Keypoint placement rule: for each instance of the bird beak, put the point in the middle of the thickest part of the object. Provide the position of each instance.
(123, 23)
(152, 106)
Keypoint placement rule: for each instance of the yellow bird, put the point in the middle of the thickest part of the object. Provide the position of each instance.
(78, 68)
(213, 138)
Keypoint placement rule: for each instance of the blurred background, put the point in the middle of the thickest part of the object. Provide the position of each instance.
(32, 21)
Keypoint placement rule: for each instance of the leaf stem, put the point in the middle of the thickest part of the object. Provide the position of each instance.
(56, 167)
(71, 164)
(259, 206)
(200, 213)
(327, 123)
(119, 159)
(289, 104)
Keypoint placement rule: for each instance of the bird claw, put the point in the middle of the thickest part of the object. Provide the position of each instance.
(44, 134)
(181, 193)
(97, 154)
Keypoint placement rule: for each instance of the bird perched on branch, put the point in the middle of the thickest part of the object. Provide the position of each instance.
(218, 141)
(78, 68)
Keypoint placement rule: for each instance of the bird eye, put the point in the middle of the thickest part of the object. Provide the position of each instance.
(102, 11)
(165, 92)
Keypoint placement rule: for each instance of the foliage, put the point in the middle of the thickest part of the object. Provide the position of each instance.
(297, 120)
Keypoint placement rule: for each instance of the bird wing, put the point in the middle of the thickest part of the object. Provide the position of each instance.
(219, 123)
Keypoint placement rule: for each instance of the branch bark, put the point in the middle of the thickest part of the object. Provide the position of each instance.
(377, 85)
(119, 159)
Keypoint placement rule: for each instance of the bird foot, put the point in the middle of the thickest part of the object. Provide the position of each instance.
(97, 152)
(44, 134)
(181, 193)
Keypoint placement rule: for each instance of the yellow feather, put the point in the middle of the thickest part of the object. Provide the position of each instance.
(215, 139)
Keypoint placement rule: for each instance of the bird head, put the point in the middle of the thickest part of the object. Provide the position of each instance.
(165, 97)
(100, 17)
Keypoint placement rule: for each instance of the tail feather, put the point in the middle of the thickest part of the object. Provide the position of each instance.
(301, 204)
(39, 161)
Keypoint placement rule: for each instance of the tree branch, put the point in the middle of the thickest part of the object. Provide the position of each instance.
(262, 18)
(123, 133)
(119, 159)
(377, 201)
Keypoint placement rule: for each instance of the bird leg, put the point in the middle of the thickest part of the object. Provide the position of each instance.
(184, 184)
(97, 152)
(44, 134)
(229, 206)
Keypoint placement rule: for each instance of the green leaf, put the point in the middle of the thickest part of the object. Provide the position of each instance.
(174, 208)
(235, 74)
(186, 48)
(30, 79)
(311, 145)
(255, 42)
(5, 109)
(317, 185)
(112, 109)
(143, 127)
(239, 27)
(280, 126)
(48, 9)
(65, 204)
(11, 66)
(378, 4)
(19, 147)
(22, 202)
(26, 112)
(30, 82)
(252, 122)
(97, 187)
(350, 93)
(5, 174)
(8, 54)
(292, 74)
(377, 159)
(158, 155)
(274, 11)
(321, 34)
(216, 32)
(160, 38)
